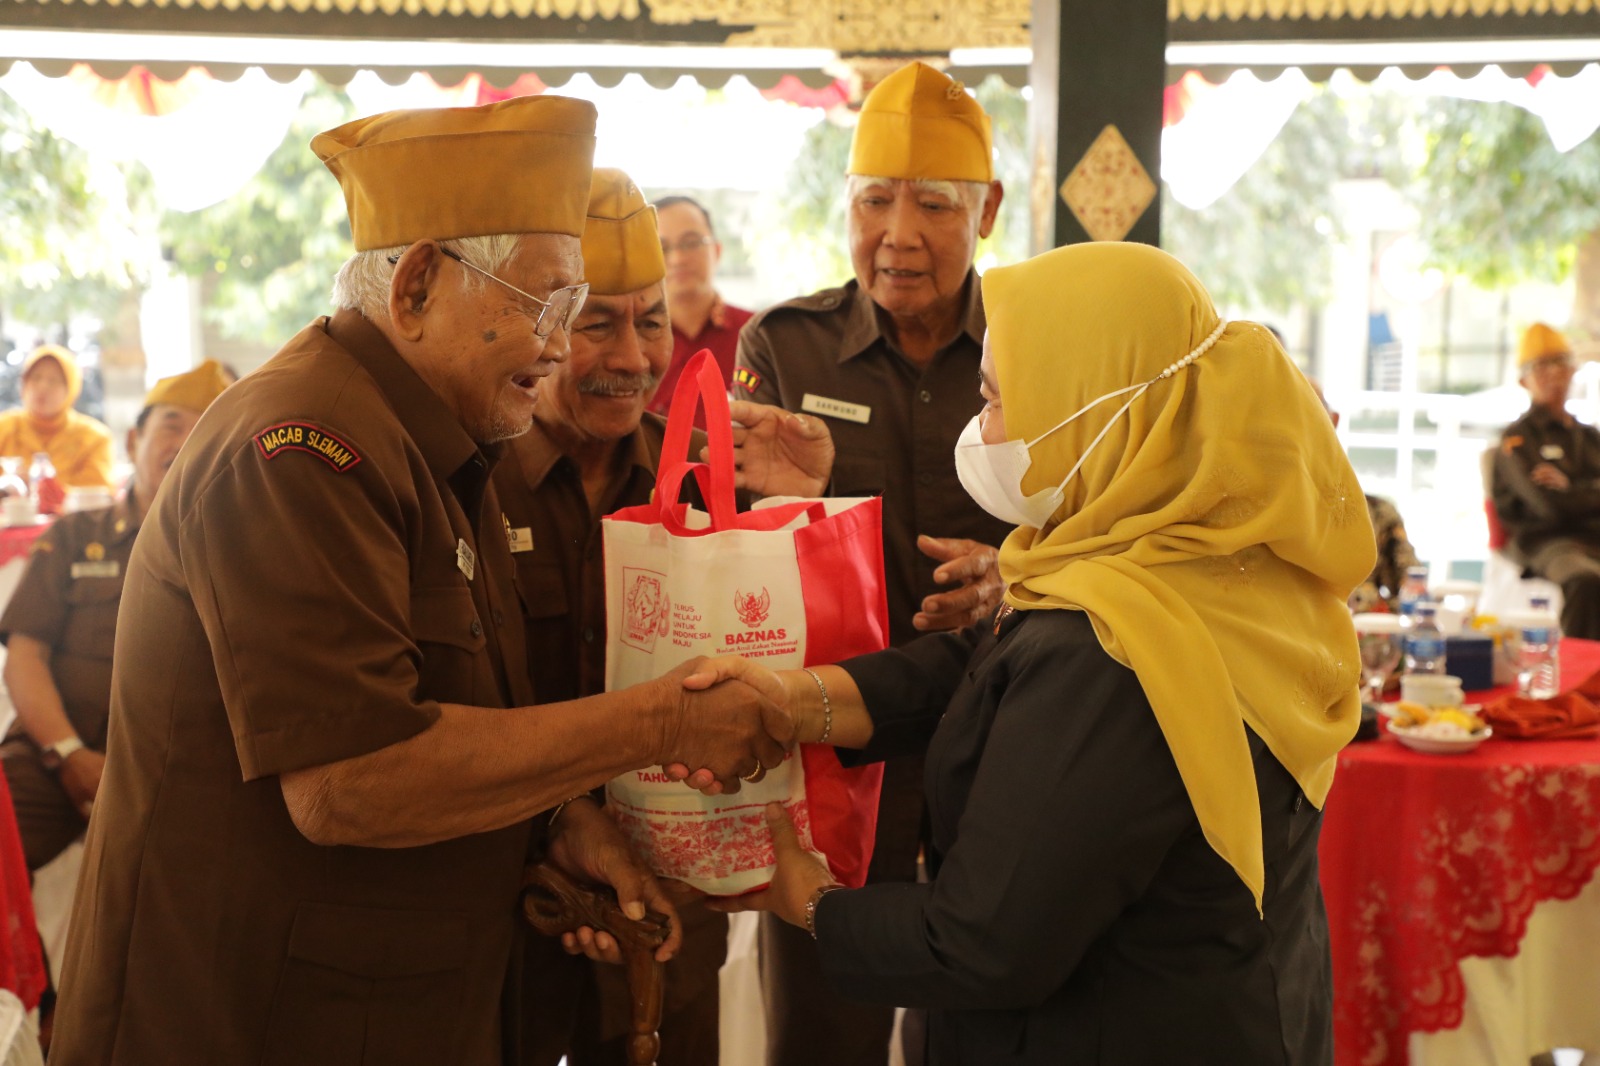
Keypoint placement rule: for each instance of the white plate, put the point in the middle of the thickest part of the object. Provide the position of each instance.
(1438, 745)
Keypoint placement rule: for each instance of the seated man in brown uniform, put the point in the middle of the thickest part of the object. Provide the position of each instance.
(59, 626)
(594, 449)
(1546, 483)
(323, 773)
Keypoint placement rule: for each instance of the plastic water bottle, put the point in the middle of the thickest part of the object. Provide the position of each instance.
(1413, 590)
(46, 492)
(1424, 643)
(1538, 662)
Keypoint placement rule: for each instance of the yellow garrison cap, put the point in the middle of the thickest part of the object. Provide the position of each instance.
(621, 246)
(193, 389)
(1541, 342)
(920, 123)
(64, 359)
(518, 166)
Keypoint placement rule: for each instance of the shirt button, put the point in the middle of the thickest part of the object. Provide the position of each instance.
(476, 628)
(927, 397)
(829, 301)
(588, 634)
(499, 619)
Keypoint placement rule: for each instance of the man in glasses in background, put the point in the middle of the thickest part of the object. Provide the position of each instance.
(1546, 483)
(700, 316)
(324, 774)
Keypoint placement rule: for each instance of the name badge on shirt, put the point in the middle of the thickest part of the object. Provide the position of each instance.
(812, 404)
(1552, 452)
(101, 568)
(521, 539)
(466, 558)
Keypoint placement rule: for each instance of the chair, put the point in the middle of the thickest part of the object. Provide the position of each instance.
(1504, 587)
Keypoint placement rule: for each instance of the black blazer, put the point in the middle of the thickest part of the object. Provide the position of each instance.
(1076, 913)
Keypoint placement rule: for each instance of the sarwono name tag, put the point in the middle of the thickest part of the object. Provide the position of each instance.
(812, 404)
(98, 568)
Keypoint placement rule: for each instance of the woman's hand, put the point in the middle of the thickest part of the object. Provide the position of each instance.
(798, 876)
(587, 845)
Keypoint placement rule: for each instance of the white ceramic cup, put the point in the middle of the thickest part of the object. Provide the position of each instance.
(1431, 690)
(18, 511)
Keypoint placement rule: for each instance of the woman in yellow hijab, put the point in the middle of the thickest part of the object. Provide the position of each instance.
(1126, 767)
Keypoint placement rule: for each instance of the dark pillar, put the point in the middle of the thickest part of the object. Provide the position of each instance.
(1096, 63)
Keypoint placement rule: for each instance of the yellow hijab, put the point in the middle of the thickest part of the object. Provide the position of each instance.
(1214, 534)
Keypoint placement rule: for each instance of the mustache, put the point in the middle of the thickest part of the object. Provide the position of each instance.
(617, 384)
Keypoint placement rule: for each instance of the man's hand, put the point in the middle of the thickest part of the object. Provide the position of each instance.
(975, 569)
(777, 453)
(586, 845)
(714, 671)
(731, 729)
(1549, 476)
(80, 776)
(798, 876)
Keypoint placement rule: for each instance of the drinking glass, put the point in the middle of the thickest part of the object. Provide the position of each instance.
(1381, 638)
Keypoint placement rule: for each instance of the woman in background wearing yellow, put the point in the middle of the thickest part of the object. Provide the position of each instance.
(1125, 768)
(79, 446)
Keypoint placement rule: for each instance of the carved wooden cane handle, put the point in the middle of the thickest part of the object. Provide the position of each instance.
(556, 904)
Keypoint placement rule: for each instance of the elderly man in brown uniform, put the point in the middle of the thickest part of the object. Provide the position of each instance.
(58, 630)
(317, 804)
(594, 449)
(882, 370)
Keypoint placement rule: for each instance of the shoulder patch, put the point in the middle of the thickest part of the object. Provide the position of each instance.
(1510, 444)
(304, 437)
(746, 379)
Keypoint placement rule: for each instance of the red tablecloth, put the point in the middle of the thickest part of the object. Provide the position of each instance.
(16, 540)
(1428, 859)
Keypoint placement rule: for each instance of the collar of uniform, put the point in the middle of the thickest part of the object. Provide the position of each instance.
(437, 431)
(123, 523)
(537, 452)
(864, 327)
(1544, 417)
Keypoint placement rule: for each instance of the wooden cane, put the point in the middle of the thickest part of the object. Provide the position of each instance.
(556, 904)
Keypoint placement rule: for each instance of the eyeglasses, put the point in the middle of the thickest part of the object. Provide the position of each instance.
(561, 309)
(691, 243)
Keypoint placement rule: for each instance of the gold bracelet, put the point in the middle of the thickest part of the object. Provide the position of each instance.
(811, 907)
(827, 707)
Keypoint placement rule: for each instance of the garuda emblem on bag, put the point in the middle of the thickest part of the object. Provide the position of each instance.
(752, 609)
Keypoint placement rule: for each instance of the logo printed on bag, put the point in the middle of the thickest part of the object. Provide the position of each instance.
(753, 609)
(645, 608)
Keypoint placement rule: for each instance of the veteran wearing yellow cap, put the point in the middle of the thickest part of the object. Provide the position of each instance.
(880, 372)
(58, 629)
(323, 774)
(79, 446)
(593, 449)
(1546, 483)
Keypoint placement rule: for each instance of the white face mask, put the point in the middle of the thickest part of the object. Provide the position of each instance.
(992, 473)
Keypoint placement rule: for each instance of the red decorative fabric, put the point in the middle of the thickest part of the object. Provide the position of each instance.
(1429, 859)
(21, 959)
(15, 541)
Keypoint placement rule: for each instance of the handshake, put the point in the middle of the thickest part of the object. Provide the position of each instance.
(721, 722)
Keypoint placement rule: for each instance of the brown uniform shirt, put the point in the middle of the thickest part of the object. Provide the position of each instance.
(832, 345)
(323, 565)
(556, 543)
(1533, 515)
(68, 600)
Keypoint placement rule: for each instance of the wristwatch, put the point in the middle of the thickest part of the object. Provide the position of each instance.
(54, 756)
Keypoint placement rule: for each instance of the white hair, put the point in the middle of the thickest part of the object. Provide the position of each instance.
(362, 283)
(969, 194)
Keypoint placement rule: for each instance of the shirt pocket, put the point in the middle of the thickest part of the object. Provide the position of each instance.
(91, 624)
(369, 987)
(856, 476)
(450, 635)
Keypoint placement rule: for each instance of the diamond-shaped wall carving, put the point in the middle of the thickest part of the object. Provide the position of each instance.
(1109, 188)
